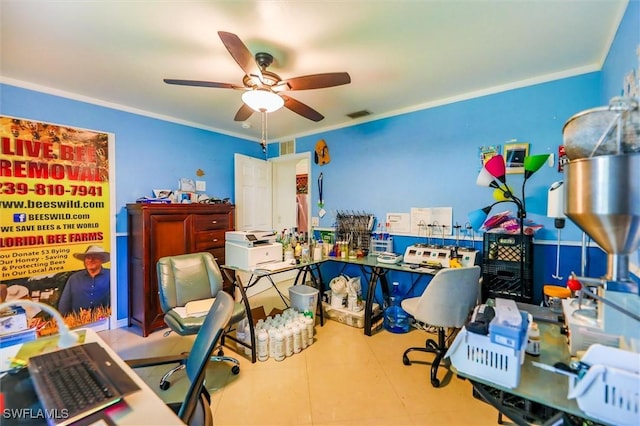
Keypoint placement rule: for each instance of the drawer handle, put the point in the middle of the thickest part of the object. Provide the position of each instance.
(214, 221)
(214, 240)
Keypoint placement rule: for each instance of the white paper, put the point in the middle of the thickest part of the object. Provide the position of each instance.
(432, 221)
(186, 185)
(198, 308)
(398, 223)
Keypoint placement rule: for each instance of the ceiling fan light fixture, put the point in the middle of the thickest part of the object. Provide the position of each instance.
(262, 100)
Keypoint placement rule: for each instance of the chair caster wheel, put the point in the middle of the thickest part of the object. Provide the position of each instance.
(235, 369)
(164, 385)
(220, 352)
(435, 383)
(405, 360)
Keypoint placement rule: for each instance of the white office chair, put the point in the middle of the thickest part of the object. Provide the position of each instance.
(446, 303)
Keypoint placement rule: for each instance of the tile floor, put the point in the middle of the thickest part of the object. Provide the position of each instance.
(343, 378)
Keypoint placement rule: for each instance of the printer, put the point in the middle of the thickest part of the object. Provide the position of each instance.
(249, 249)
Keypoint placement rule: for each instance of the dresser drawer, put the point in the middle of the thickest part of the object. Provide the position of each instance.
(218, 254)
(206, 222)
(206, 240)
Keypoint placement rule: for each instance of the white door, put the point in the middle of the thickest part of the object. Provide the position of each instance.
(265, 192)
(284, 195)
(253, 194)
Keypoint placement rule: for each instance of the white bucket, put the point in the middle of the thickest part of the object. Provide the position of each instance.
(303, 298)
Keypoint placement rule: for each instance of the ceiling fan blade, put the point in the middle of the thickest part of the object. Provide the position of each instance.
(242, 55)
(202, 84)
(302, 109)
(243, 113)
(316, 81)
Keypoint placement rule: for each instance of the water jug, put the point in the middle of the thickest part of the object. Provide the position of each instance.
(396, 320)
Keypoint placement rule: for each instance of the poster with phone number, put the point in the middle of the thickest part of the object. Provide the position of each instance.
(55, 220)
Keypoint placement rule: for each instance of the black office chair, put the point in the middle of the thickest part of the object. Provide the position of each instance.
(195, 409)
(188, 278)
(445, 303)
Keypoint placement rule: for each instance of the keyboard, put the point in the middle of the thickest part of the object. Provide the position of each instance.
(74, 382)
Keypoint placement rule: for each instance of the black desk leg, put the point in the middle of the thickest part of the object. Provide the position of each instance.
(376, 273)
(321, 288)
(236, 282)
(317, 283)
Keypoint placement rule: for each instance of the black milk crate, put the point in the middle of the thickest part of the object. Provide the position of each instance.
(502, 279)
(507, 288)
(507, 247)
(507, 267)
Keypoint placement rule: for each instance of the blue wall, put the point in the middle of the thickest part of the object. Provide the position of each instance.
(427, 158)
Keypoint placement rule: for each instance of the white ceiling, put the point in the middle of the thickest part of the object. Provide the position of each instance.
(402, 55)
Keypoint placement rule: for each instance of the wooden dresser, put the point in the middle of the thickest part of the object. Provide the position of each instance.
(158, 230)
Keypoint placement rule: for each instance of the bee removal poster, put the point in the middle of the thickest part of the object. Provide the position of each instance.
(55, 221)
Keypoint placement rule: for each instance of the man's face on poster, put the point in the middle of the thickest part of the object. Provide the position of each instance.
(93, 263)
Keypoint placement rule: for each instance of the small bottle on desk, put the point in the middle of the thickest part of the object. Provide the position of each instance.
(533, 340)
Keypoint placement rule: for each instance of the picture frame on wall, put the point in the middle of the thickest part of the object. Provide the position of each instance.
(487, 152)
(514, 154)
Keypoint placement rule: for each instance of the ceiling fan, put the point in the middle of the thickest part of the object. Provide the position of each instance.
(260, 82)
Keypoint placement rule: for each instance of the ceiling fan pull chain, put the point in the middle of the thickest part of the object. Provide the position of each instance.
(263, 140)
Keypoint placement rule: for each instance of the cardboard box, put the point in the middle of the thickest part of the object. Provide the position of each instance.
(260, 314)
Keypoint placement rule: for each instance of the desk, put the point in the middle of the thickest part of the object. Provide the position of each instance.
(377, 272)
(142, 407)
(536, 385)
(373, 271)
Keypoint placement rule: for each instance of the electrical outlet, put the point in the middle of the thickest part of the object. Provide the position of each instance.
(551, 161)
(201, 185)
(315, 221)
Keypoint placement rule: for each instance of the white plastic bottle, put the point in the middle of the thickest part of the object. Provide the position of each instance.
(288, 340)
(240, 334)
(247, 339)
(309, 322)
(297, 344)
(304, 336)
(272, 340)
(278, 344)
(263, 345)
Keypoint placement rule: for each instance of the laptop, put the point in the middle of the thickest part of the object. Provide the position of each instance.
(75, 382)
